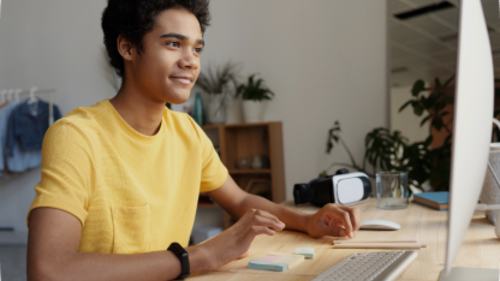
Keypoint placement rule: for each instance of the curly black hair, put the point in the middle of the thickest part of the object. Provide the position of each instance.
(134, 18)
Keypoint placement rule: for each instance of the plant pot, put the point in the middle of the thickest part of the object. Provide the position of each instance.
(253, 111)
(216, 109)
(234, 111)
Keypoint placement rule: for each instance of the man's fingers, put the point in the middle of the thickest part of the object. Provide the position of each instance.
(259, 220)
(271, 217)
(263, 220)
(333, 231)
(345, 217)
(256, 230)
(355, 214)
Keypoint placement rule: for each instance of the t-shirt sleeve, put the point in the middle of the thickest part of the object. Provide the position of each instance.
(213, 172)
(66, 171)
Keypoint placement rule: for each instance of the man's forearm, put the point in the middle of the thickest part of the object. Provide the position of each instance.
(160, 265)
(293, 219)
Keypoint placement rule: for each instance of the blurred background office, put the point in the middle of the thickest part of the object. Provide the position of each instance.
(324, 60)
(355, 62)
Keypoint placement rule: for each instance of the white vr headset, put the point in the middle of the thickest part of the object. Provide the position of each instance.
(344, 188)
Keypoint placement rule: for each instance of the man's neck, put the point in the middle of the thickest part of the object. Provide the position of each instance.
(139, 111)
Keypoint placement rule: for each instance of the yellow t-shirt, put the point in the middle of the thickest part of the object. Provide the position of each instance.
(132, 193)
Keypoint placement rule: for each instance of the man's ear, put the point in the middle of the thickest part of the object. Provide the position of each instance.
(124, 47)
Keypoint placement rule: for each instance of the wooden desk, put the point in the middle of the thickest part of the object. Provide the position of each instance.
(480, 248)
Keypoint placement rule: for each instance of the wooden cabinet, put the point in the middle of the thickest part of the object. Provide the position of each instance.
(237, 141)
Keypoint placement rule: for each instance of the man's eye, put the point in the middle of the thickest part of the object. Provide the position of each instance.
(173, 44)
(198, 50)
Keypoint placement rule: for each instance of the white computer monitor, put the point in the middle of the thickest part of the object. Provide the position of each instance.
(472, 129)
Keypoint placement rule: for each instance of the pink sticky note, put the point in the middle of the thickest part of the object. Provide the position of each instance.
(269, 258)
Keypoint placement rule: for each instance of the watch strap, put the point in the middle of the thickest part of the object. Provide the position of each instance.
(183, 257)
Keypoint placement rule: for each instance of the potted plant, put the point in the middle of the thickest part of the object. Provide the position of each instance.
(253, 94)
(386, 151)
(215, 82)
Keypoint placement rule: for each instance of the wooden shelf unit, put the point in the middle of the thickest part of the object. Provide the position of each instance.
(247, 140)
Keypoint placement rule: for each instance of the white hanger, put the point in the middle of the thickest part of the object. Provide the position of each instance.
(2, 96)
(10, 96)
(18, 92)
(32, 99)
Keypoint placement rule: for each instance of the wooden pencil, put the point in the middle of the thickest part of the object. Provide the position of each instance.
(335, 242)
(413, 246)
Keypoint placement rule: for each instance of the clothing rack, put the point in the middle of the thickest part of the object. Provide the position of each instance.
(32, 92)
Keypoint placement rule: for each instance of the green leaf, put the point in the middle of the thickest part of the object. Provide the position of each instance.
(433, 98)
(444, 113)
(418, 109)
(437, 124)
(428, 140)
(447, 140)
(438, 84)
(254, 90)
(448, 81)
(449, 100)
(418, 87)
(440, 106)
(405, 105)
(424, 120)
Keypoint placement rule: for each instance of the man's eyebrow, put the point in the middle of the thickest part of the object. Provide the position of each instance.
(181, 37)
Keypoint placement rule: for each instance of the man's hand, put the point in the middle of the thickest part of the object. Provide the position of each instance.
(334, 220)
(235, 241)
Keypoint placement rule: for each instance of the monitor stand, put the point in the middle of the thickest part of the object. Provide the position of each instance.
(467, 274)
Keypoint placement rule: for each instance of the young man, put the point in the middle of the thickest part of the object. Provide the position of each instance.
(120, 179)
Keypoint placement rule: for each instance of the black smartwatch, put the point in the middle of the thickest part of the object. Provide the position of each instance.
(182, 255)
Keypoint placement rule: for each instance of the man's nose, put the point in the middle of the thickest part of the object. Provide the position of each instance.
(189, 61)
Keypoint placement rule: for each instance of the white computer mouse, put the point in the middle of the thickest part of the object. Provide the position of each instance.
(379, 225)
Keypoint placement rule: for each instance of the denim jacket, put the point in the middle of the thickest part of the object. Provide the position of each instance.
(27, 126)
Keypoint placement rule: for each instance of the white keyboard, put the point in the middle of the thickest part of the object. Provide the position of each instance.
(374, 266)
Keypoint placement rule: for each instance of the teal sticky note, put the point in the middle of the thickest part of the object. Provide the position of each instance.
(256, 264)
(308, 253)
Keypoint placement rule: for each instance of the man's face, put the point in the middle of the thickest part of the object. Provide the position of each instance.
(169, 64)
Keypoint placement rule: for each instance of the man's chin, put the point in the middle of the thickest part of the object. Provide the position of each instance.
(178, 98)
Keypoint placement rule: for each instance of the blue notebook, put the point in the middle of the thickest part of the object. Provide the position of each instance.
(436, 200)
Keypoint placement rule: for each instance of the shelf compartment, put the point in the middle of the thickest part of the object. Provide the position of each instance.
(247, 141)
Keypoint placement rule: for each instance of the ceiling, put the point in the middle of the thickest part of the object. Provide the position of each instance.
(425, 47)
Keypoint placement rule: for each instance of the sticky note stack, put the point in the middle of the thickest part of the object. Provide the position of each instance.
(308, 253)
(276, 262)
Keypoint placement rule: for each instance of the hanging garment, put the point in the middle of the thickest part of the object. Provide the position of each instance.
(21, 161)
(5, 112)
(28, 124)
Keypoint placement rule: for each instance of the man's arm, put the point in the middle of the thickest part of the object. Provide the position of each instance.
(54, 236)
(53, 241)
(332, 219)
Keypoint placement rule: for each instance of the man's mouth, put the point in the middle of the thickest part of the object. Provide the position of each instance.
(186, 80)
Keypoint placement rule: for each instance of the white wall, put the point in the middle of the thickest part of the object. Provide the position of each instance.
(324, 59)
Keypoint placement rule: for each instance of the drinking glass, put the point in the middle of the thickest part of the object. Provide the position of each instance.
(392, 190)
